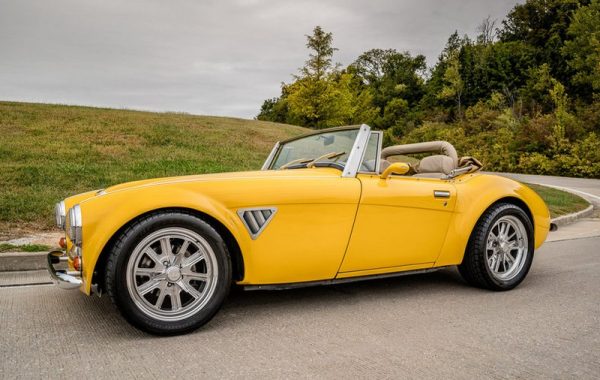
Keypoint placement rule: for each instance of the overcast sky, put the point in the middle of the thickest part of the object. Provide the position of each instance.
(203, 56)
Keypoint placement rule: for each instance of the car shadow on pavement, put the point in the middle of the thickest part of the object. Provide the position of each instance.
(244, 308)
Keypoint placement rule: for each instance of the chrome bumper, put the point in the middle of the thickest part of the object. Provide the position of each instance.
(65, 279)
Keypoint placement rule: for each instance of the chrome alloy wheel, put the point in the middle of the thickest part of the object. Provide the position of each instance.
(171, 274)
(506, 248)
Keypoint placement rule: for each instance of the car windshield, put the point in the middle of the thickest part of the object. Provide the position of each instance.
(330, 148)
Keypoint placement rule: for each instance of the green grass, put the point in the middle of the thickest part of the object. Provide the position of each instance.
(48, 152)
(5, 247)
(559, 202)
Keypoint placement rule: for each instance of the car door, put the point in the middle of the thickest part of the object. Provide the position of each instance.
(401, 224)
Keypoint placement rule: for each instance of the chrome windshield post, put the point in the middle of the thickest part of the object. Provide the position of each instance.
(357, 154)
(270, 158)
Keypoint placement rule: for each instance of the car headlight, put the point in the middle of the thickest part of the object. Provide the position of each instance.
(60, 214)
(74, 228)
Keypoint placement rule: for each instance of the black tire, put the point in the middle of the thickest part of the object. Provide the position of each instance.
(475, 268)
(116, 278)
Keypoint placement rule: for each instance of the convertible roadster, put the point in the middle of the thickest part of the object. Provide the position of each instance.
(328, 207)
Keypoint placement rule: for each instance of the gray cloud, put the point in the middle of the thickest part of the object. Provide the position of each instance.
(202, 57)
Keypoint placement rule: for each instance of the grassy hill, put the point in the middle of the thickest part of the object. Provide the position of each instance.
(48, 152)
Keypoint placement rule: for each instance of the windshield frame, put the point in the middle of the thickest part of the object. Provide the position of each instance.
(355, 157)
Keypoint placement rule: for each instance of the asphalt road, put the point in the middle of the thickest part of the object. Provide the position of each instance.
(421, 326)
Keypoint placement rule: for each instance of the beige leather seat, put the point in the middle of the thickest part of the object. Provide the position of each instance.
(436, 166)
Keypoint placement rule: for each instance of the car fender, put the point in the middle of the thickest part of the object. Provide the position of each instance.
(104, 215)
(475, 194)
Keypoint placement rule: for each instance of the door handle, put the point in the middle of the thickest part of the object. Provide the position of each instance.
(441, 194)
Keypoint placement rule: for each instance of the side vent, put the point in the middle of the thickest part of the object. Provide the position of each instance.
(256, 219)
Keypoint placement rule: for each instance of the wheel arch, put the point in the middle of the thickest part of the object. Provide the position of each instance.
(237, 259)
(517, 202)
(510, 200)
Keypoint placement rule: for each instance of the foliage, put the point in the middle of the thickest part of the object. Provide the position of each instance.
(583, 49)
(523, 97)
(6, 247)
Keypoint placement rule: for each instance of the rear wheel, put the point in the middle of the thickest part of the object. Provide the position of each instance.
(169, 273)
(500, 249)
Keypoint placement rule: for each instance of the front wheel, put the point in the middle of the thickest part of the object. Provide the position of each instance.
(500, 249)
(169, 273)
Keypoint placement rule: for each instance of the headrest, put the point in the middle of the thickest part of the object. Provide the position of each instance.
(435, 164)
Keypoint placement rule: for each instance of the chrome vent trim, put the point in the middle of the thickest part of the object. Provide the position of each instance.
(256, 219)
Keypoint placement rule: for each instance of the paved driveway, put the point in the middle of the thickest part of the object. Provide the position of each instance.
(423, 326)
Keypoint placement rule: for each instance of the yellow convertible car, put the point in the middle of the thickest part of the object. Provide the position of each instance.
(326, 208)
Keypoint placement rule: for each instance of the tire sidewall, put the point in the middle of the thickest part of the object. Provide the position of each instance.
(123, 251)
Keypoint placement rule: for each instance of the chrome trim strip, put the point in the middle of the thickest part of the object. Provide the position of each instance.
(269, 160)
(252, 220)
(65, 279)
(357, 154)
(336, 281)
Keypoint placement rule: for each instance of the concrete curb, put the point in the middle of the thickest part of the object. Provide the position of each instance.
(571, 218)
(22, 261)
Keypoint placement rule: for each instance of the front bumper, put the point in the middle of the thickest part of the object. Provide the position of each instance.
(65, 279)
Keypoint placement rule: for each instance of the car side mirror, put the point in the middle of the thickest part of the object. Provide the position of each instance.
(399, 168)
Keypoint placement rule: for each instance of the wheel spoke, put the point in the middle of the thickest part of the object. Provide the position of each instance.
(147, 271)
(189, 289)
(195, 276)
(501, 228)
(509, 259)
(175, 298)
(492, 261)
(165, 246)
(148, 286)
(154, 257)
(193, 259)
(180, 255)
(497, 264)
(161, 296)
(513, 245)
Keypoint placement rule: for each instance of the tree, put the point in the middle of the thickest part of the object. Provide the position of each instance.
(543, 24)
(453, 83)
(583, 50)
(319, 63)
(321, 96)
(487, 31)
(393, 79)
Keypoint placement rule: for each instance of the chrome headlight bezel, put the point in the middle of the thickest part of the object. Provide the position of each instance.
(60, 213)
(74, 226)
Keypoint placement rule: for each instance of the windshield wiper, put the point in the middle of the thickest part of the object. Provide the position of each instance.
(294, 162)
(328, 156)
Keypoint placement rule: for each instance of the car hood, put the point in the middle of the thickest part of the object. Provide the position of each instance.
(222, 177)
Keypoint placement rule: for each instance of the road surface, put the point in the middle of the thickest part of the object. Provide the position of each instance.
(422, 326)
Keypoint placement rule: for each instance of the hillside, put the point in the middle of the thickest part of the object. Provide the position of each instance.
(48, 152)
